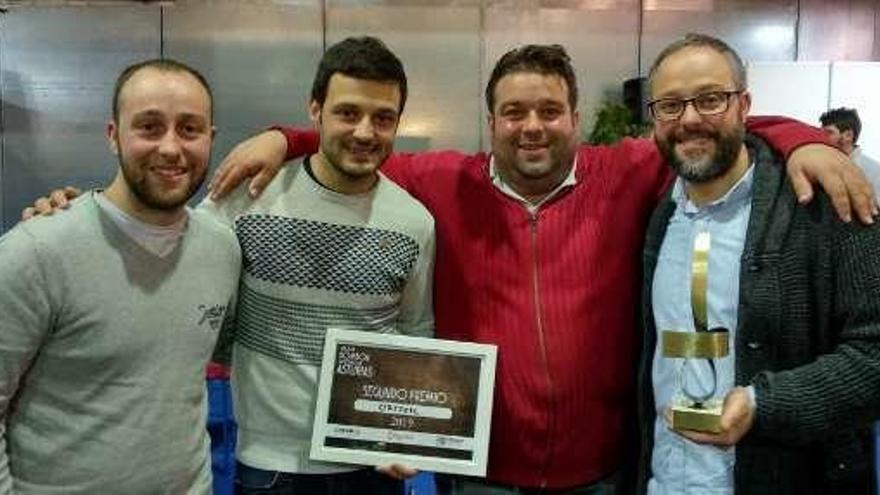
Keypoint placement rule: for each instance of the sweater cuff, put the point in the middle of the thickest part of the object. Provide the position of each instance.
(785, 135)
(299, 141)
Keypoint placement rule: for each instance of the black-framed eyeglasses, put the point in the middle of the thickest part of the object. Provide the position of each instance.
(711, 103)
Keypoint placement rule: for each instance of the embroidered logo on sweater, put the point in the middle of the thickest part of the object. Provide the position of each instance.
(212, 315)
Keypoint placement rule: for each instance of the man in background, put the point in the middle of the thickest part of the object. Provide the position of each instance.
(843, 127)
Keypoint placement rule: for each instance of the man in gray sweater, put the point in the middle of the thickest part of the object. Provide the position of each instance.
(110, 313)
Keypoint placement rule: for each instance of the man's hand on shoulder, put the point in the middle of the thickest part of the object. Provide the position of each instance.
(259, 157)
(842, 180)
(58, 199)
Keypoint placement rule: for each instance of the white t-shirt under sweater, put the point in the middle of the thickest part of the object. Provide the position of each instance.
(869, 166)
(161, 240)
(314, 259)
(103, 347)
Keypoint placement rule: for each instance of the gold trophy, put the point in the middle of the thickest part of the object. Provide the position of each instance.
(690, 410)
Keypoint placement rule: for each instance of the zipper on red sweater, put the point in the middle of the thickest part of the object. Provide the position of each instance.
(536, 294)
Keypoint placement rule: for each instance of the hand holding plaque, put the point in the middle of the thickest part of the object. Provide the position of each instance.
(695, 406)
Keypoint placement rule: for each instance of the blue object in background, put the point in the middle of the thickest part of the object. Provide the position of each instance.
(222, 429)
(877, 453)
(423, 484)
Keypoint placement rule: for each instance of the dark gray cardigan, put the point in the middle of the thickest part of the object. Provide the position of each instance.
(808, 339)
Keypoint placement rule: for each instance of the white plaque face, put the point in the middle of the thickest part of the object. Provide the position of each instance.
(425, 403)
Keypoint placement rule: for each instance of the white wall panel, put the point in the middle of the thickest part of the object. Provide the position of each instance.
(856, 85)
(798, 90)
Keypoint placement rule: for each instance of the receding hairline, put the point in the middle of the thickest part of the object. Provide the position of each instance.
(164, 70)
(735, 64)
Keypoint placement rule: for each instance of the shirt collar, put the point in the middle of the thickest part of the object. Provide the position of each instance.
(741, 191)
(498, 182)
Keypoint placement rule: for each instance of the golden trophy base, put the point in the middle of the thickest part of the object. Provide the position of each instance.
(706, 419)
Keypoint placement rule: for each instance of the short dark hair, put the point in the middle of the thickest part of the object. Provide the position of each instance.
(696, 40)
(363, 57)
(845, 119)
(162, 65)
(540, 59)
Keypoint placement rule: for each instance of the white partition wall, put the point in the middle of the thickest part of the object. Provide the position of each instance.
(794, 89)
(804, 90)
(857, 85)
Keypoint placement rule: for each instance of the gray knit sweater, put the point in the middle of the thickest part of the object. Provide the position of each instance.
(102, 354)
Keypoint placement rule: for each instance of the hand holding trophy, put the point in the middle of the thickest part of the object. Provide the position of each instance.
(695, 406)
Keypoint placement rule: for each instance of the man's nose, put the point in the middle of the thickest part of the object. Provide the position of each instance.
(169, 145)
(533, 122)
(364, 128)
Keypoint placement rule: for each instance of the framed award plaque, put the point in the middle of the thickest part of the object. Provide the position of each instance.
(425, 403)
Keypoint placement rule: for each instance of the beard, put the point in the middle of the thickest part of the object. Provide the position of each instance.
(337, 155)
(709, 166)
(152, 195)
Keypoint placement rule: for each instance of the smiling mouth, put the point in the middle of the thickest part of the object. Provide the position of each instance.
(695, 136)
(169, 172)
(362, 150)
(532, 146)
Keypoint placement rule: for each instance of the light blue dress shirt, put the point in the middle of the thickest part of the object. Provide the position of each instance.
(679, 466)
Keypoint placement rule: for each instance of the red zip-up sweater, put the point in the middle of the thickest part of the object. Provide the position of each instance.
(557, 292)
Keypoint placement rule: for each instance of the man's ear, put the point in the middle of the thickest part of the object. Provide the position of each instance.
(847, 137)
(315, 114)
(112, 135)
(745, 104)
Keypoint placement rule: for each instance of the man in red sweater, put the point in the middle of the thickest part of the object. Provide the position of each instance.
(538, 252)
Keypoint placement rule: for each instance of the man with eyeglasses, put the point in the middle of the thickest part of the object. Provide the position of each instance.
(793, 289)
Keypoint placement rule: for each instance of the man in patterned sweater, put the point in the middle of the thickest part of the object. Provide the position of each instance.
(332, 243)
(797, 289)
(108, 314)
